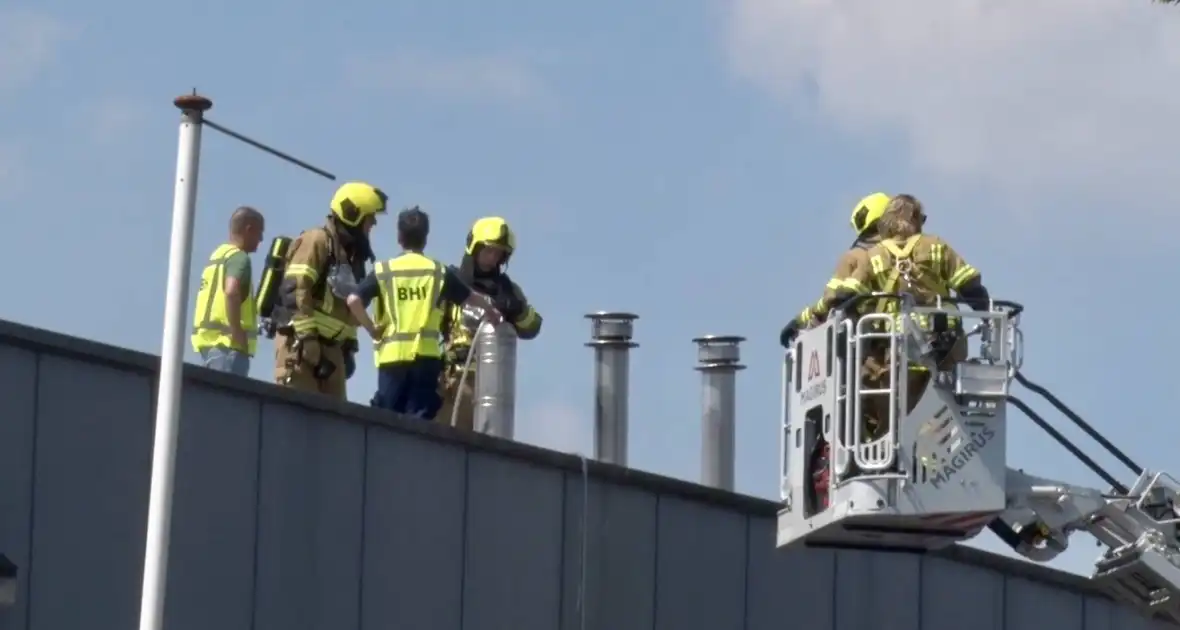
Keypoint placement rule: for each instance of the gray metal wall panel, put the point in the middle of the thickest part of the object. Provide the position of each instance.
(213, 531)
(700, 566)
(1098, 615)
(609, 557)
(310, 504)
(793, 585)
(1122, 618)
(291, 518)
(415, 505)
(512, 569)
(1101, 614)
(958, 596)
(879, 591)
(1033, 606)
(18, 395)
(93, 465)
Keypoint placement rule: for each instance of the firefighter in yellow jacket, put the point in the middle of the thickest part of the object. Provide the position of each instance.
(866, 215)
(926, 267)
(865, 220)
(225, 325)
(490, 245)
(323, 265)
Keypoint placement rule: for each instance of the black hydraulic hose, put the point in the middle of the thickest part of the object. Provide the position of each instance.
(1069, 446)
(1085, 426)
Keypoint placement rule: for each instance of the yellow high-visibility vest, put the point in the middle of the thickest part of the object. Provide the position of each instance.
(211, 321)
(410, 308)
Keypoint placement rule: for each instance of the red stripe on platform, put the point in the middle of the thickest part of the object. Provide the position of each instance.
(961, 520)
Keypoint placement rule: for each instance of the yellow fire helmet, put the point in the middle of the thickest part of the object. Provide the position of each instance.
(867, 211)
(492, 231)
(356, 200)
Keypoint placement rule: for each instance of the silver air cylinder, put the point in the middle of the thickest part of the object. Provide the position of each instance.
(719, 361)
(495, 380)
(610, 336)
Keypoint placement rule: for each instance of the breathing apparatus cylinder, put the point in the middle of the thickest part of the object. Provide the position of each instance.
(268, 286)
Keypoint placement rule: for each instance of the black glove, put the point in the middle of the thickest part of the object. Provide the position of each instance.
(349, 362)
(509, 306)
(324, 370)
(790, 331)
(456, 355)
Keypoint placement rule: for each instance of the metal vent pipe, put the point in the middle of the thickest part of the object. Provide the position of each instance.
(719, 361)
(610, 336)
(495, 380)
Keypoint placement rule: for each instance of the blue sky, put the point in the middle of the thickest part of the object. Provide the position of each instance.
(693, 162)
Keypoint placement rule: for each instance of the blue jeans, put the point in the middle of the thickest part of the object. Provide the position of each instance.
(410, 387)
(226, 360)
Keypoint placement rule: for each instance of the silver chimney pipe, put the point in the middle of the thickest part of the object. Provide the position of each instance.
(610, 336)
(495, 380)
(719, 361)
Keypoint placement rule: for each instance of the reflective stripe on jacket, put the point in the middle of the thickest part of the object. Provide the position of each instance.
(922, 265)
(846, 267)
(314, 309)
(459, 328)
(409, 308)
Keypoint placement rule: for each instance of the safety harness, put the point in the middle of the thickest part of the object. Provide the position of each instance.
(925, 287)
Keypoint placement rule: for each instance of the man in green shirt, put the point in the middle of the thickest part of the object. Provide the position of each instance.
(225, 329)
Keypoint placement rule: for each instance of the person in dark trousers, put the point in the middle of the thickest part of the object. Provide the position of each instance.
(411, 291)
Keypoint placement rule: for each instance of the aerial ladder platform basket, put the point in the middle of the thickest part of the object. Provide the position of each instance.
(894, 438)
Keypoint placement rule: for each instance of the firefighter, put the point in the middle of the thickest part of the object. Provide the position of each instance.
(926, 267)
(490, 245)
(865, 218)
(225, 325)
(321, 270)
(412, 293)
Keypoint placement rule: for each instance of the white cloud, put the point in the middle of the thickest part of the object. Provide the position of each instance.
(29, 42)
(1026, 95)
(486, 77)
(557, 426)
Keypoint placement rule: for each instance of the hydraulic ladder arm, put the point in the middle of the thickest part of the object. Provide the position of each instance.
(1138, 524)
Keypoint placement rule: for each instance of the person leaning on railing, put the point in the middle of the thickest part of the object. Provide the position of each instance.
(925, 267)
(865, 216)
